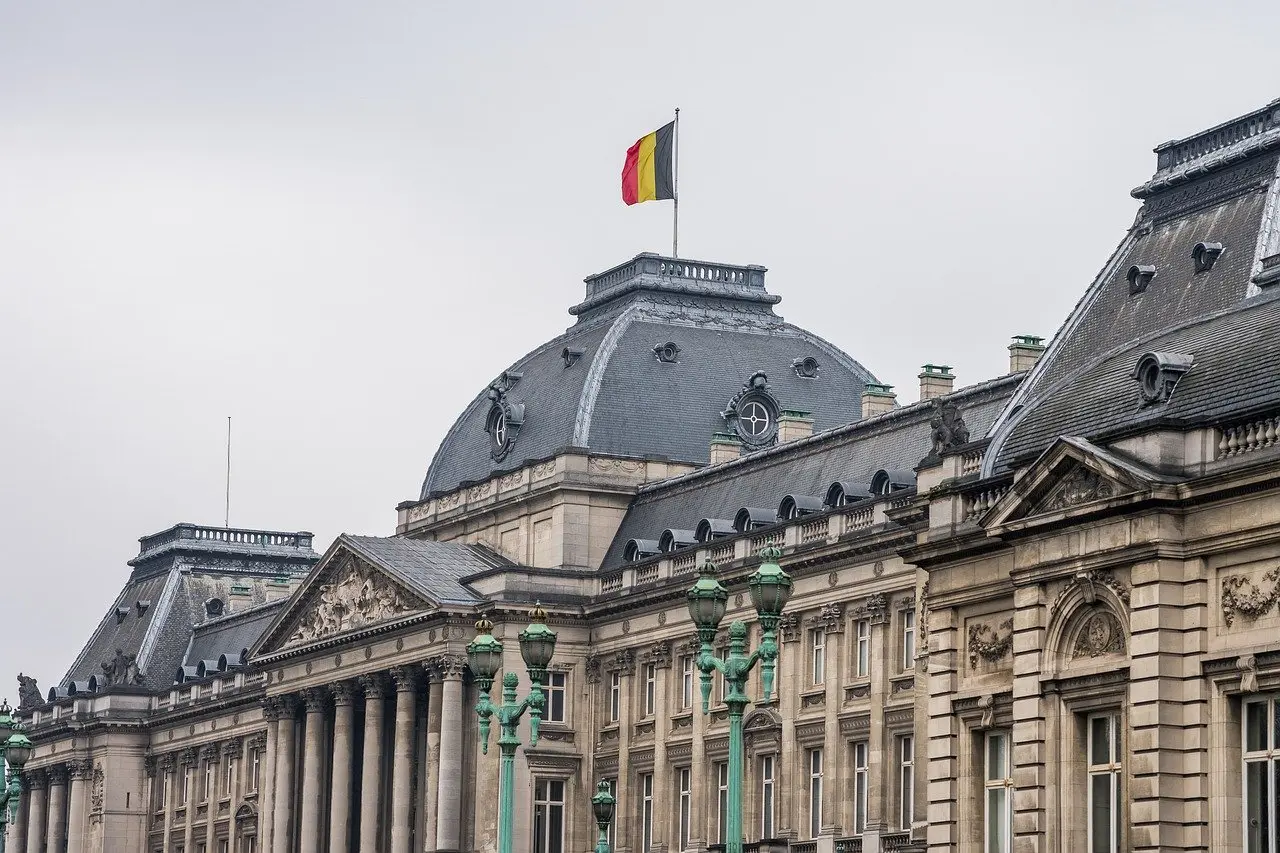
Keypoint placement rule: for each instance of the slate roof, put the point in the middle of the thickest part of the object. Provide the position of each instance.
(895, 440)
(1218, 186)
(231, 634)
(434, 569)
(618, 398)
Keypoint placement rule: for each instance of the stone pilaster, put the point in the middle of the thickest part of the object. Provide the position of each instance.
(1031, 754)
(344, 694)
(78, 805)
(943, 731)
(57, 834)
(282, 794)
(626, 819)
(312, 823)
(165, 765)
(186, 761)
(449, 811)
(267, 774)
(406, 681)
(233, 753)
(375, 697)
(660, 657)
(431, 788)
(835, 753)
(37, 791)
(211, 752)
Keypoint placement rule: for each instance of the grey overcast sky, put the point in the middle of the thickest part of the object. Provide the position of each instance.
(337, 222)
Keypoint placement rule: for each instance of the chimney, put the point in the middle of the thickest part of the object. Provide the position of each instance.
(240, 598)
(724, 447)
(1024, 352)
(793, 425)
(935, 380)
(877, 399)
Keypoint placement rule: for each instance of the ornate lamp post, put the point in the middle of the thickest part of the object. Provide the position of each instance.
(15, 749)
(603, 804)
(708, 599)
(484, 655)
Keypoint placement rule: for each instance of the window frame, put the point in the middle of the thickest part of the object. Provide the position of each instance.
(906, 780)
(722, 800)
(228, 776)
(814, 763)
(646, 812)
(255, 770)
(861, 781)
(684, 788)
(1003, 783)
(210, 778)
(615, 696)
(1268, 758)
(1112, 769)
(544, 800)
(650, 689)
(556, 692)
(817, 656)
(908, 620)
(768, 766)
(862, 648)
(686, 682)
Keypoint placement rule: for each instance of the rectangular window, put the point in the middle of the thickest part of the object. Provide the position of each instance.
(228, 775)
(906, 781)
(557, 682)
(908, 639)
(548, 816)
(650, 688)
(255, 768)
(722, 802)
(766, 796)
(999, 794)
(686, 681)
(1262, 776)
(815, 792)
(250, 844)
(646, 812)
(860, 781)
(206, 787)
(1104, 784)
(686, 806)
(184, 784)
(615, 696)
(818, 653)
(862, 669)
(224, 846)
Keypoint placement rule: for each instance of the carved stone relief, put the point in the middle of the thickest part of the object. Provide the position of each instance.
(363, 596)
(789, 625)
(1087, 583)
(1100, 634)
(1242, 597)
(1080, 486)
(829, 618)
(875, 608)
(990, 644)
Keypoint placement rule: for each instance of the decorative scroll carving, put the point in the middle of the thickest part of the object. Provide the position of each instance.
(1248, 666)
(923, 621)
(362, 597)
(789, 625)
(624, 662)
(209, 752)
(1087, 583)
(829, 618)
(990, 644)
(659, 654)
(1242, 597)
(122, 669)
(1101, 634)
(233, 748)
(166, 762)
(592, 668)
(1080, 486)
(78, 769)
(874, 609)
(28, 693)
(988, 705)
(96, 793)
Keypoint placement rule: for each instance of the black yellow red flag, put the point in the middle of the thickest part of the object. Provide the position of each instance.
(648, 173)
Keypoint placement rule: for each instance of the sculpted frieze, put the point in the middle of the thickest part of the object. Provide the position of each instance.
(990, 644)
(1082, 485)
(1242, 597)
(1101, 634)
(361, 597)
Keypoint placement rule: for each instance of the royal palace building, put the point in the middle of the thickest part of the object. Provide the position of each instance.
(1039, 613)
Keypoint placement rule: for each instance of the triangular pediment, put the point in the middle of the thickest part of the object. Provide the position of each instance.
(344, 594)
(1072, 477)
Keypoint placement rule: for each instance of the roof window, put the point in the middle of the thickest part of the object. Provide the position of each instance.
(1157, 374)
(1140, 276)
(795, 506)
(1205, 255)
(749, 518)
(843, 492)
(571, 355)
(714, 528)
(638, 549)
(673, 540)
(213, 607)
(806, 368)
(886, 481)
(668, 353)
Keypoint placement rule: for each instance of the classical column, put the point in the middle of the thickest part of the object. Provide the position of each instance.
(209, 754)
(402, 768)
(309, 829)
(449, 809)
(165, 764)
(37, 791)
(267, 774)
(375, 696)
(282, 819)
(57, 834)
(78, 805)
(186, 761)
(431, 790)
(233, 754)
(340, 800)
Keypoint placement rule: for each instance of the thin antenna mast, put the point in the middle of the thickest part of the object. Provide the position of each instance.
(226, 518)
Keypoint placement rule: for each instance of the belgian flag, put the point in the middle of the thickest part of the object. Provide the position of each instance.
(647, 173)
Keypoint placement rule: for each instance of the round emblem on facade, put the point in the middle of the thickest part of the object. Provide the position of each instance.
(737, 600)
(753, 412)
(235, 719)
(308, 667)
(662, 618)
(400, 645)
(170, 734)
(431, 635)
(626, 626)
(833, 579)
(279, 675)
(368, 652)
(337, 660)
(191, 730)
(878, 569)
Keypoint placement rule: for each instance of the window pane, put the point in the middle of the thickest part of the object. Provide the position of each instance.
(996, 757)
(556, 830)
(1100, 740)
(1257, 824)
(1100, 818)
(1255, 726)
(997, 840)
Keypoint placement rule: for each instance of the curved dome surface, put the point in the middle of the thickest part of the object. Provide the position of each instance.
(661, 351)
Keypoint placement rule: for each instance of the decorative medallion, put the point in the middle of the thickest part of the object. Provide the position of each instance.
(987, 644)
(752, 414)
(362, 597)
(337, 661)
(1101, 634)
(878, 568)
(368, 652)
(662, 617)
(308, 667)
(235, 719)
(737, 600)
(505, 417)
(626, 626)
(1242, 597)
(833, 579)
(431, 635)
(400, 644)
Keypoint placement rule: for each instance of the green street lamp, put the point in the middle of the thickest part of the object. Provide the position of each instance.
(708, 599)
(15, 749)
(484, 656)
(603, 804)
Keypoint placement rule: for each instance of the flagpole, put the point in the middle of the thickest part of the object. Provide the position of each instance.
(675, 191)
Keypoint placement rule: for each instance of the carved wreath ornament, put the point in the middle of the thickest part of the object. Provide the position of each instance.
(1241, 596)
(990, 644)
(362, 597)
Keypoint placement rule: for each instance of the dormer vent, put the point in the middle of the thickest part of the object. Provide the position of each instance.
(639, 549)
(213, 607)
(206, 668)
(226, 662)
(674, 540)
(749, 518)
(795, 506)
(1205, 255)
(806, 367)
(844, 492)
(1140, 276)
(122, 613)
(571, 355)
(142, 605)
(714, 528)
(1157, 374)
(887, 481)
(668, 353)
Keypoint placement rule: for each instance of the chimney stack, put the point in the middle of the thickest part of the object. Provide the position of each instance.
(1024, 352)
(793, 425)
(877, 399)
(935, 380)
(724, 447)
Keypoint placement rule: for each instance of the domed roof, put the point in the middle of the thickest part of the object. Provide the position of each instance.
(665, 354)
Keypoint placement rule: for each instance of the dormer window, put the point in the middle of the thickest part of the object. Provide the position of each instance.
(668, 353)
(1140, 276)
(806, 368)
(571, 355)
(1205, 255)
(1157, 374)
(213, 607)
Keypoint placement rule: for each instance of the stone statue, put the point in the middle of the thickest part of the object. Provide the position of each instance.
(28, 693)
(948, 428)
(122, 669)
